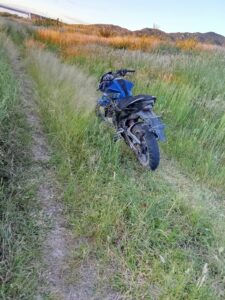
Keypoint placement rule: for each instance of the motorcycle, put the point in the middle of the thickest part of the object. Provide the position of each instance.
(132, 116)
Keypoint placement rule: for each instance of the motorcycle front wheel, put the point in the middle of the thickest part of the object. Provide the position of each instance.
(103, 115)
(147, 151)
(100, 112)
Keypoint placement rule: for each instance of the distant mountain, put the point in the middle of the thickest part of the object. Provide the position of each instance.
(114, 29)
(208, 37)
(151, 32)
(107, 30)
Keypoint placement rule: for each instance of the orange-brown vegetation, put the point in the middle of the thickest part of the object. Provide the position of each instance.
(134, 43)
(105, 32)
(187, 44)
(69, 38)
(74, 51)
(31, 43)
(65, 38)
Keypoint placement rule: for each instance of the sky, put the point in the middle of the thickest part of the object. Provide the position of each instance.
(169, 16)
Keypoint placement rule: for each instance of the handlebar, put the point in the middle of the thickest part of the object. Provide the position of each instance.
(113, 75)
(123, 72)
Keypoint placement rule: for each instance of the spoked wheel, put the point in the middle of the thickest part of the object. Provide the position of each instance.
(147, 151)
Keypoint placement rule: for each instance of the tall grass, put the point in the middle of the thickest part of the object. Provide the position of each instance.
(156, 243)
(68, 38)
(17, 31)
(19, 232)
(190, 91)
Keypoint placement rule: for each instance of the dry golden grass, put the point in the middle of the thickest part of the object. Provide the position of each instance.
(134, 43)
(68, 38)
(71, 52)
(187, 44)
(31, 43)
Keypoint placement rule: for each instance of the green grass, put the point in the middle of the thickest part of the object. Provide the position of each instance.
(156, 241)
(17, 31)
(19, 229)
(159, 244)
(190, 91)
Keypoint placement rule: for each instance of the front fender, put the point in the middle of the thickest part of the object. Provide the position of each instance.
(154, 122)
(103, 101)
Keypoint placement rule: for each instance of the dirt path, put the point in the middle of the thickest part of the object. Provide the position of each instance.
(61, 280)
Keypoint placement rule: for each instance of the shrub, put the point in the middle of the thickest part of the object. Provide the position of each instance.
(187, 44)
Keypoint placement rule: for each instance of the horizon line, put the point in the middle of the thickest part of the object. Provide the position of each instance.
(65, 19)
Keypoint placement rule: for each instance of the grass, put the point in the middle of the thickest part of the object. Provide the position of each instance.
(162, 240)
(18, 31)
(190, 91)
(159, 245)
(19, 229)
(67, 38)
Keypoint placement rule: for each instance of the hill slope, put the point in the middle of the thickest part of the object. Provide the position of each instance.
(208, 37)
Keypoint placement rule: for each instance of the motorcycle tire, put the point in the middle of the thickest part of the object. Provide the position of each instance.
(148, 151)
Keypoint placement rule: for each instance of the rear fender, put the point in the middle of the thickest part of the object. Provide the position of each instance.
(154, 122)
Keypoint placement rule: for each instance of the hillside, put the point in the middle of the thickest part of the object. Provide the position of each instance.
(205, 38)
(208, 37)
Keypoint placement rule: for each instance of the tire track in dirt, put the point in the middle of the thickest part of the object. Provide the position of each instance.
(60, 279)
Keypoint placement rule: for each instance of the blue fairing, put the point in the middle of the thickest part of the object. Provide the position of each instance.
(117, 86)
(121, 86)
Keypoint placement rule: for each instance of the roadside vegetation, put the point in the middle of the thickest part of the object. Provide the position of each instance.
(157, 244)
(154, 236)
(19, 230)
(68, 36)
(189, 85)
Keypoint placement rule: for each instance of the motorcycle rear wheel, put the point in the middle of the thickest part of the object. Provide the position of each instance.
(148, 151)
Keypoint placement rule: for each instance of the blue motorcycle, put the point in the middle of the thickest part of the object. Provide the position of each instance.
(132, 116)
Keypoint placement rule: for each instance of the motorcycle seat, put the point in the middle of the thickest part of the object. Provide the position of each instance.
(129, 101)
